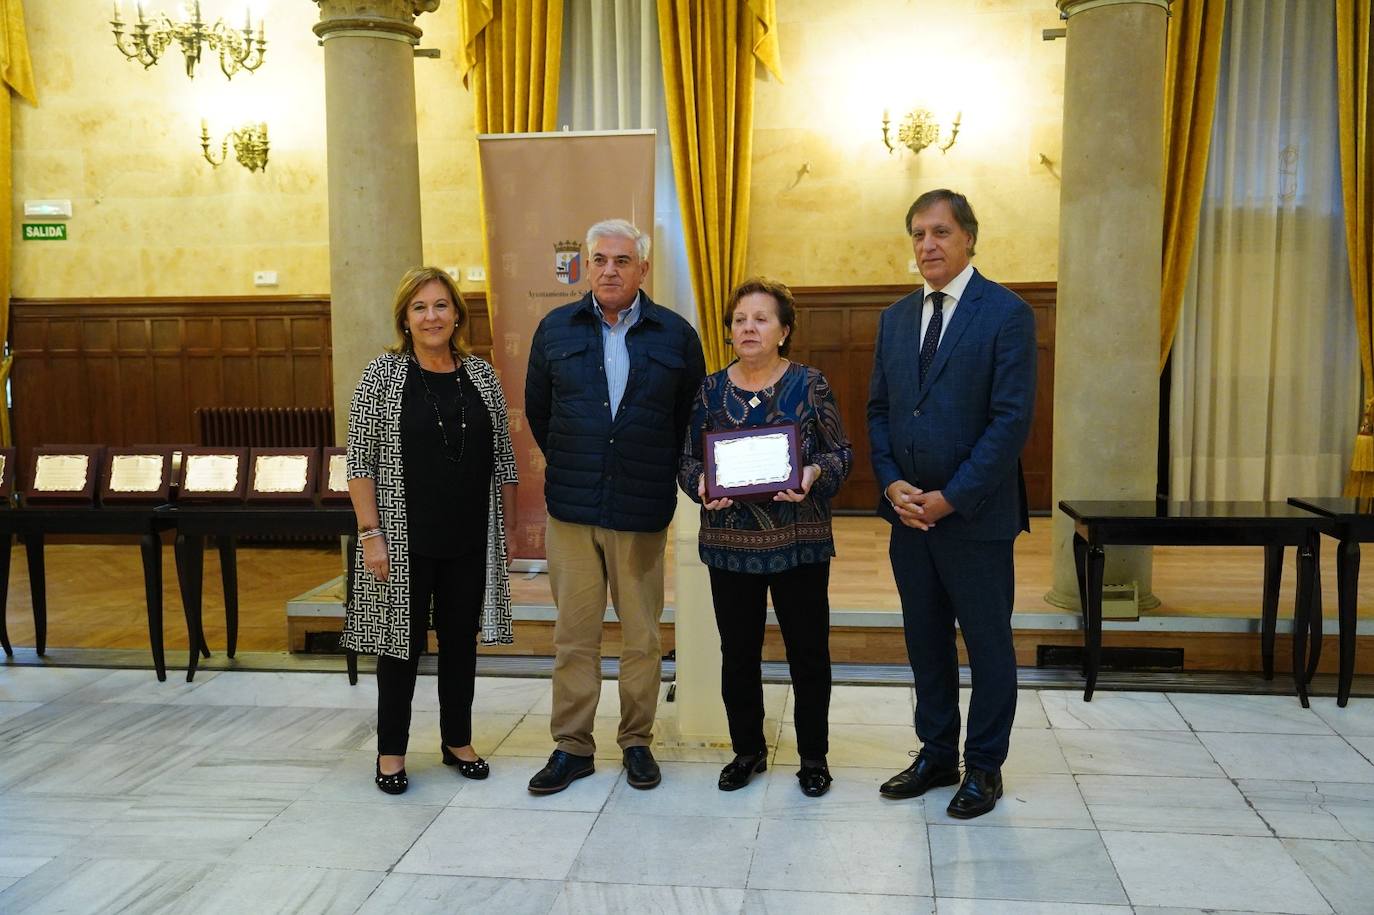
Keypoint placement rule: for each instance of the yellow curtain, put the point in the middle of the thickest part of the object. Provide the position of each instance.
(511, 54)
(1192, 64)
(1355, 91)
(709, 50)
(16, 69)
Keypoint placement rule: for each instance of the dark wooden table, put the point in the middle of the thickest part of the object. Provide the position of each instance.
(1351, 523)
(227, 523)
(35, 521)
(1271, 525)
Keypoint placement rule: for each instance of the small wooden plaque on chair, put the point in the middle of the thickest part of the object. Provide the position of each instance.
(137, 475)
(64, 473)
(213, 474)
(282, 474)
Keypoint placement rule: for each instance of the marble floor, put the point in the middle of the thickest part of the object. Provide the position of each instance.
(252, 792)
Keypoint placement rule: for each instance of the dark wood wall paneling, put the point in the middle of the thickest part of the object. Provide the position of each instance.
(836, 327)
(123, 371)
(126, 371)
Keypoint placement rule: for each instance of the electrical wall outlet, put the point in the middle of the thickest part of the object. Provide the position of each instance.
(912, 267)
(477, 275)
(265, 278)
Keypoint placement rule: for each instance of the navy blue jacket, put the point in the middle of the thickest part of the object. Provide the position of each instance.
(619, 474)
(963, 430)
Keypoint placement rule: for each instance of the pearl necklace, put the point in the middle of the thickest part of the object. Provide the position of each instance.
(433, 400)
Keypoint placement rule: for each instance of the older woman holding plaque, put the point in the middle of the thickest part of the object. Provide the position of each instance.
(778, 541)
(432, 479)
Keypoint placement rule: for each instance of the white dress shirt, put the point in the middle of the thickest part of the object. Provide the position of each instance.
(954, 290)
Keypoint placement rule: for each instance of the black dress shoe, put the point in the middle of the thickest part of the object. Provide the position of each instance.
(918, 778)
(815, 780)
(977, 795)
(737, 773)
(395, 783)
(476, 769)
(561, 771)
(640, 769)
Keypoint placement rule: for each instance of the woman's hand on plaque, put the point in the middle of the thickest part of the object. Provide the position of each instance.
(810, 474)
(715, 505)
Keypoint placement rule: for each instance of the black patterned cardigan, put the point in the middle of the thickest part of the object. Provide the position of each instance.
(378, 618)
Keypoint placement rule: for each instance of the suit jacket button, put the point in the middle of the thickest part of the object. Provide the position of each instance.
(915, 412)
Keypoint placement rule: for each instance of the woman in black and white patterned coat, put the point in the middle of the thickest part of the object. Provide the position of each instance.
(432, 478)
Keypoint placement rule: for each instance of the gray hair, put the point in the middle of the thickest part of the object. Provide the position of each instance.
(619, 228)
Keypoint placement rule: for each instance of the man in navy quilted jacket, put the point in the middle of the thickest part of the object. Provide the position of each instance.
(610, 384)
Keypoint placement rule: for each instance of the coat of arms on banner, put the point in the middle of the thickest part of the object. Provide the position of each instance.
(567, 262)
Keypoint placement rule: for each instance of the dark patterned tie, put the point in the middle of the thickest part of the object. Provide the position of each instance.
(932, 338)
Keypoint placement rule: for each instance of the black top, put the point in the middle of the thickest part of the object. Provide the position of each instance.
(447, 486)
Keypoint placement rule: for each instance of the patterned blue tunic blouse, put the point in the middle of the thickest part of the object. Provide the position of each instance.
(767, 537)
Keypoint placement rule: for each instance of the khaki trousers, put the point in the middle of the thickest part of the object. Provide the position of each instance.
(583, 561)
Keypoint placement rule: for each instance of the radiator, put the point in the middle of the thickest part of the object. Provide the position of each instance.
(265, 427)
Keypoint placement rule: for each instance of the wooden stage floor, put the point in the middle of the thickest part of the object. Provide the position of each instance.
(95, 592)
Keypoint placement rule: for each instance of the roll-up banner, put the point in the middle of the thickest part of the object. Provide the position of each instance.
(541, 192)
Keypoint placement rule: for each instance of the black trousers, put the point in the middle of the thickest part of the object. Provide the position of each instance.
(941, 580)
(801, 600)
(456, 587)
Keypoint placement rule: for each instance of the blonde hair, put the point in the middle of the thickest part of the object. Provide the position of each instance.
(414, 278)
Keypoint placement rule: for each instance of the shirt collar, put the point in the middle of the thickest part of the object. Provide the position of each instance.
(627, 317)
(954, 289)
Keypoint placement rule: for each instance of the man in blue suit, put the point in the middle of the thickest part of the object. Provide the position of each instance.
(949, 410)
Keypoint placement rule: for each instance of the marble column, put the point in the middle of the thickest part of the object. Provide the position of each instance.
(374, 175)
(1106, 365)
(700, 712)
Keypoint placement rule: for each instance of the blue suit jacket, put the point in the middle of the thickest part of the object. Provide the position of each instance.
(963, 430)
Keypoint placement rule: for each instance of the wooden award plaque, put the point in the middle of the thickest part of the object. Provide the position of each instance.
(8, 461)
(213, 475)
(282, 474)
(751, 464)
(64, 473)
(334, 475)
(136, 475)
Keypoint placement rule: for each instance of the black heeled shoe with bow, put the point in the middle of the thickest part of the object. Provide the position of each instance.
(814, 780)
(396, 783)
(476, 769)
(737, 773)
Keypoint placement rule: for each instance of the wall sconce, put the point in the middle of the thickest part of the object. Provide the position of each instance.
(250, 146)
(152, 34)
(918, 130)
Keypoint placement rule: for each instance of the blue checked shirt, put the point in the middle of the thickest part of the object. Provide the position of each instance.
(613, 347)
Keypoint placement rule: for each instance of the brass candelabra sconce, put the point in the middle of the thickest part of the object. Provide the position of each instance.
(250, 146)
(154, 33)
(918, 130)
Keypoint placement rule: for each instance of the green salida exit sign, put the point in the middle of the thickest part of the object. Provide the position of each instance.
(45, 231)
